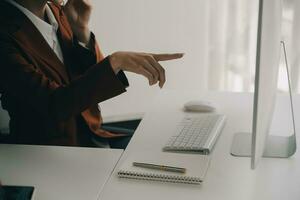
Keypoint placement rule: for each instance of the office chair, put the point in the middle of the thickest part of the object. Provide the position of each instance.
(126, 124)
(4, 125)
(126, 127)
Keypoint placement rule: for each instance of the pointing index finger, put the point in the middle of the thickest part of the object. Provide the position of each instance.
(165, 57)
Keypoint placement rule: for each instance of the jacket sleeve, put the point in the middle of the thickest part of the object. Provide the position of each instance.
(20, 78)
(88, 57)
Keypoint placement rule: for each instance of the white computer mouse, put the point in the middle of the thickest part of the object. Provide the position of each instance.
(199, 106)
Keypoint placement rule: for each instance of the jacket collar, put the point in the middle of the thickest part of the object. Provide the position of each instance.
(31, 40)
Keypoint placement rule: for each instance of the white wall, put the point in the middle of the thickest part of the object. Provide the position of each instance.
(154, 26)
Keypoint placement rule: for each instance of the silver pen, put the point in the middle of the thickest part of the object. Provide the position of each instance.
(160, 167)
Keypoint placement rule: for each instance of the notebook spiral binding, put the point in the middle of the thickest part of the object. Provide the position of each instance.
(159, 177)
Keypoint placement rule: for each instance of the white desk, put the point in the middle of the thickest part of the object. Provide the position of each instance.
(228, 177)
(64, 173)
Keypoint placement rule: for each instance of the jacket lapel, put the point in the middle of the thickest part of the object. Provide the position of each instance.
(31, 40)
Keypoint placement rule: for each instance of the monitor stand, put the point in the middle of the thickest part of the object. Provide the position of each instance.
(276, 146)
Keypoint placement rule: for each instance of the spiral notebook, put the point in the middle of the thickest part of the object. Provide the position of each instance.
(196, 166)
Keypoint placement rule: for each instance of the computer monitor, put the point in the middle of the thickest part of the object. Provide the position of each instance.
(259, 143)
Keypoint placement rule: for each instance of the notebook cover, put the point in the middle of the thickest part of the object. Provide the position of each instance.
(196, 166)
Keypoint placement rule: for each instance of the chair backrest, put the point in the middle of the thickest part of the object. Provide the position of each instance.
(4, 120)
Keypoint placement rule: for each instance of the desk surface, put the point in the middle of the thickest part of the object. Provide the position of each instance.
(58, 172)
(228, 177)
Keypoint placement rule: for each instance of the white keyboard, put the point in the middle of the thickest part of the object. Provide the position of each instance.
(196, 133)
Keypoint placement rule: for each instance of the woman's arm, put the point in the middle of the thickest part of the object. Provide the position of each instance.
(20, 78)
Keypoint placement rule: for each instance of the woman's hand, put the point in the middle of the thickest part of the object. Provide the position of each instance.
(144, 64)
(78, 13)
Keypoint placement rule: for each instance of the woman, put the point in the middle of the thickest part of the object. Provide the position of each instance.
(53, 75)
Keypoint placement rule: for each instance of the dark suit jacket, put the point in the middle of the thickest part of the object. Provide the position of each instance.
(51, 103)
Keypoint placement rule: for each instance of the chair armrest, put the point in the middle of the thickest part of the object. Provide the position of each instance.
(120, 118)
